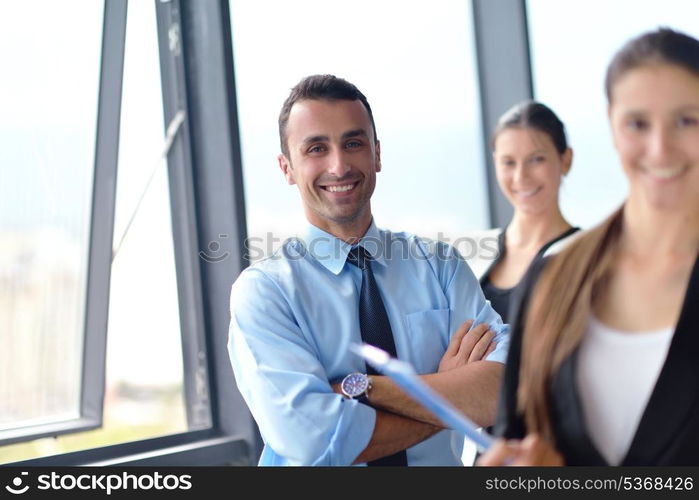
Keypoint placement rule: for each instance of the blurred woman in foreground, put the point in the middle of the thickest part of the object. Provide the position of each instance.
(603, 362)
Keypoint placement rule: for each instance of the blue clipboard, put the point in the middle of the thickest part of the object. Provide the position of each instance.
(407, 379)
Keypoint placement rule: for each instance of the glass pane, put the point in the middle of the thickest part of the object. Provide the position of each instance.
(144, 385)
(415, 63)
(145, 391)
(569, 67)
(48, 98)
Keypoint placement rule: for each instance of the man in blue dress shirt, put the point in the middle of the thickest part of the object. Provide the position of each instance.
(295, 314)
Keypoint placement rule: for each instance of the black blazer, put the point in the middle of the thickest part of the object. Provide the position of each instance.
(668, 432)
(500, 299)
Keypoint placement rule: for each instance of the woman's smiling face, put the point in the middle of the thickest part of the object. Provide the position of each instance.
(529, 168)
(654, 114)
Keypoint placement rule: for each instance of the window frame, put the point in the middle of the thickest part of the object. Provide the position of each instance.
(502, 34)
(206, 196)
(100, 238)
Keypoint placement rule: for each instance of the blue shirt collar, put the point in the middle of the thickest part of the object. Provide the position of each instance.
(332, 252)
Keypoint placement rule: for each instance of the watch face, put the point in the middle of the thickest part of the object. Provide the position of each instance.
(355, 384)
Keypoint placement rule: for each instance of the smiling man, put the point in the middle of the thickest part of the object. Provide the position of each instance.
(344, 281)
(331, 155)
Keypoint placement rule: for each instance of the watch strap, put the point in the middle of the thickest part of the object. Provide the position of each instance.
(364, 397)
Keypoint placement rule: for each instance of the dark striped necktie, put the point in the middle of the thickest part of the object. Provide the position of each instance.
(375, 327)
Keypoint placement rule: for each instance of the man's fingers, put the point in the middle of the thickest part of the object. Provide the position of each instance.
(471, 339)
(469, 343)
(478, 351)
(455, 342)
(490, 349)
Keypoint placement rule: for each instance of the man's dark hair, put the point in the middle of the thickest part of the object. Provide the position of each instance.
(318, 87)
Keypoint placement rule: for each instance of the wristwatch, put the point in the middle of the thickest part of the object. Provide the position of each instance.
(356, 386)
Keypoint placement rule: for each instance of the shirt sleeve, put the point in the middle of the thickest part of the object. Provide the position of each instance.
(283, 383)
(467, 301)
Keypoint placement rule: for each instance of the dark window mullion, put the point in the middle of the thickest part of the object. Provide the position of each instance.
(184, 227)
(220, 210)
(501, 34)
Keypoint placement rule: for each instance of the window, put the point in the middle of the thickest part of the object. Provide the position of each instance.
(144, 391)
(414, 61)
(48, 97)
(145, 377)
(569, 66)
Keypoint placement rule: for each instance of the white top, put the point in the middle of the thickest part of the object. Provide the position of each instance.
(616, 374)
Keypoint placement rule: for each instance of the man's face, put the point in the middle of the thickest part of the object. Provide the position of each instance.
(333, 159)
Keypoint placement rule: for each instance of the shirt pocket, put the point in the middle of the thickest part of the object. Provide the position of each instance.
(428, 333)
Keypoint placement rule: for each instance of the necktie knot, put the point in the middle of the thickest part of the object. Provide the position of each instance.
(358, 256)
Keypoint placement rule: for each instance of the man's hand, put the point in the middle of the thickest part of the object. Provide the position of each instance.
(467, 345)
(464, 378)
